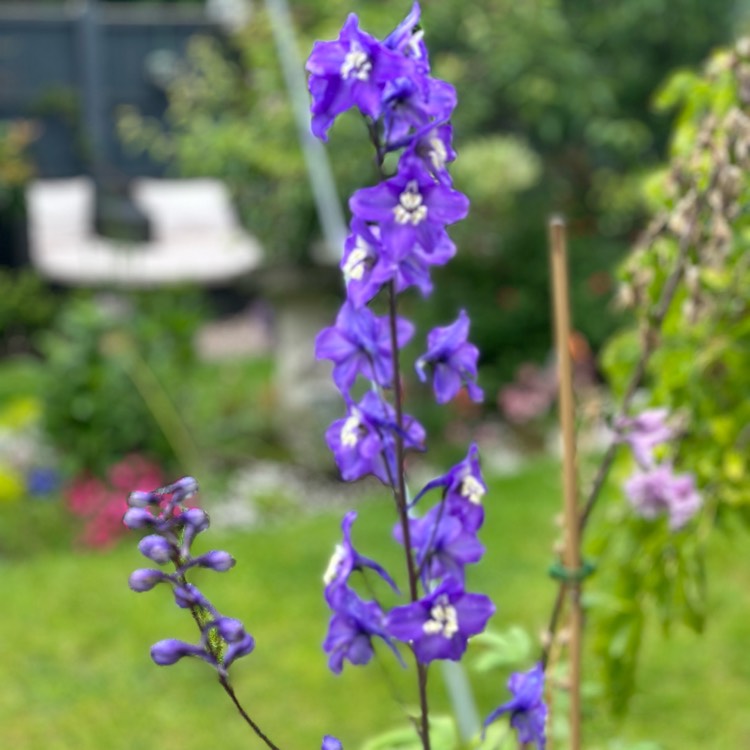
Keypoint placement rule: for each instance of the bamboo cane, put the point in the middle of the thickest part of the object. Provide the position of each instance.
(572, 555)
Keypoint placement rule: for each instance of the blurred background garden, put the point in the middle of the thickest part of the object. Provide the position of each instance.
(167, 254)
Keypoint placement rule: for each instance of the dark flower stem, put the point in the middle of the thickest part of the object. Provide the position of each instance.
(399, 490)
(224, 681)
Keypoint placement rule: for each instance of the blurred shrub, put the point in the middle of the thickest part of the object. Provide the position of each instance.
(111, 372)
(553, 116)
(121, 376)
(27, 307)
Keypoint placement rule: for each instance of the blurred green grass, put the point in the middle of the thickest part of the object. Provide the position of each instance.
(75, 671)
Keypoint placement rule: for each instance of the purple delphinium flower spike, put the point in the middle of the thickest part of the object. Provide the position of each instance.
(360, 343)
(527, 709)
(346, 560)
(350, 72)
(439, 625)
(643, 433)
(661, 491)
(350, 632)
(452, 360)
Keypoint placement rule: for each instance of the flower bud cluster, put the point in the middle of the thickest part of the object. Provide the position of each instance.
(173, 527)
(654, 489)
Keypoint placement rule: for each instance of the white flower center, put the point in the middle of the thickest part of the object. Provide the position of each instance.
(350, 431)
(354, 267)
(443, 619)
(472, 490)
(333, 565)
(410, 209)
(356, 64)
(438, 153)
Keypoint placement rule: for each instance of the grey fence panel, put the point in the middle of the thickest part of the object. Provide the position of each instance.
(41, 75)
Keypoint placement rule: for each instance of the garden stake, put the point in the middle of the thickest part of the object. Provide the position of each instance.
(572, 554)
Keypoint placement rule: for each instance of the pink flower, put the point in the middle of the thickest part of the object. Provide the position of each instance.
(660, 490)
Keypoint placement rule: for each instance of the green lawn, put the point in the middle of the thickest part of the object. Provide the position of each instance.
(76, 674)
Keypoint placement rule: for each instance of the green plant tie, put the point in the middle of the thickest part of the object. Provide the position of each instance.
(571, 575)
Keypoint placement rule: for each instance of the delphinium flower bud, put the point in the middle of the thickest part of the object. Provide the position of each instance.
(331, 743)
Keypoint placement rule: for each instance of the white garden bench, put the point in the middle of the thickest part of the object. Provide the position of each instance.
(195, 235)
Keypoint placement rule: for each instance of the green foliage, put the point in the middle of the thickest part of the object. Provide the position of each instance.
(16, 168)
(108, 372)
(700, 361)
(27, 307)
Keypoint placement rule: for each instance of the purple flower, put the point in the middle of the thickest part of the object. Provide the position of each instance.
(432, 146)
(439, 625)
(453, 361)
(444, 547)
(528, 712)
(360, 342)
(406, 38)
(364, 267)
(350, 632)
(411, 209)
(351, 72)
(346, 560)
(643, 433)
(331, 743)
(363, 442)
(463, 490)
(409, 104)
(660, 490)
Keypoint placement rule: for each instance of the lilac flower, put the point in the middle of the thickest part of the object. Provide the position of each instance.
(439, 625)
(350, 632)
(411, 209)
(660, 490)
(351, 72)
(643, 433)
(444, 547)
(453, 361)
(363, 442)
(346, 560)
(528, 712)
(360, 342)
